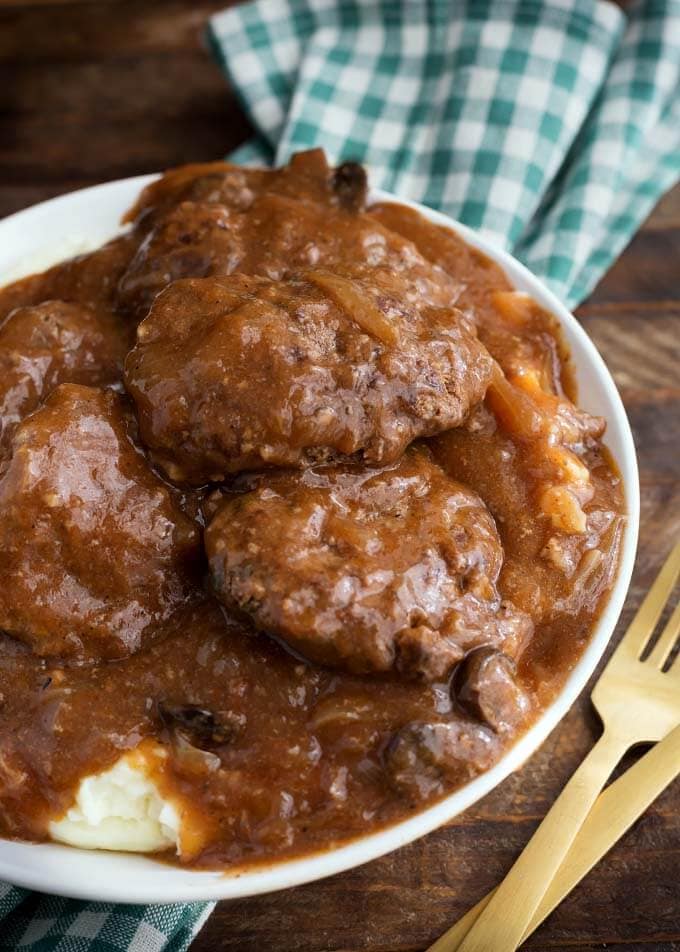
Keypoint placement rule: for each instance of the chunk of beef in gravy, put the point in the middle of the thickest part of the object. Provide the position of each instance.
(47, 344)
(366, 570)
(423, 758)
(486, 686)
(94, 554)
(238, 373)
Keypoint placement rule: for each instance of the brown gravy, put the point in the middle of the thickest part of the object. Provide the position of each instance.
(403, 653)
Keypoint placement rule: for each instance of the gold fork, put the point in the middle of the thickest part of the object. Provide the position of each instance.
(638, 702)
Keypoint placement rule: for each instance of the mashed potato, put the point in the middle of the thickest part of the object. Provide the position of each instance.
(122, 808)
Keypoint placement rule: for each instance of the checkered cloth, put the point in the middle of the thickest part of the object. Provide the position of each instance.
(552, 126)
(31, 922)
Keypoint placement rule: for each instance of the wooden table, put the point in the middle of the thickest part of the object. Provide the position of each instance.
(92, 90)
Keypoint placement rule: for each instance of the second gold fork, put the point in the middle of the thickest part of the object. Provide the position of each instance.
(637, 703)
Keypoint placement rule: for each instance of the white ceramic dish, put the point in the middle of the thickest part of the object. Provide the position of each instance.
(48, 233)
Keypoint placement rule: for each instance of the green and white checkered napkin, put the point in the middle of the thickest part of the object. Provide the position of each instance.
(552, 126)
(31, 922)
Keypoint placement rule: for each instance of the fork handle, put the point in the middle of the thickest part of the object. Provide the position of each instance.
(500, 920)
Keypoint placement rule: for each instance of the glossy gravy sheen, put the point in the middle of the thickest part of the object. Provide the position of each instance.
(304, 695)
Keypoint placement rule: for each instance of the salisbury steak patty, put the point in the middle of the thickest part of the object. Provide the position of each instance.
(193, 240)
(51, 343)
(366, 569)
(94, 554)
(276, 237)
(238, 373)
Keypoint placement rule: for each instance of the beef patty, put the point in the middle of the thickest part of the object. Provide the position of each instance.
(366, 570)
(238, 373)
(51, 343)
(94, 553)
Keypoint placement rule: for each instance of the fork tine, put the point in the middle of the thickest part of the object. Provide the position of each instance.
(642, 626)
(667, 639)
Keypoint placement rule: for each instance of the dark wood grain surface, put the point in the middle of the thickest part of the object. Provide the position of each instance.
(92, 90)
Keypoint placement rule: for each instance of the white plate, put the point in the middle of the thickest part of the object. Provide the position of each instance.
(47, 233)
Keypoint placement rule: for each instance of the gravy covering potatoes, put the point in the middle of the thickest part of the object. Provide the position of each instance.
(299, 754)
